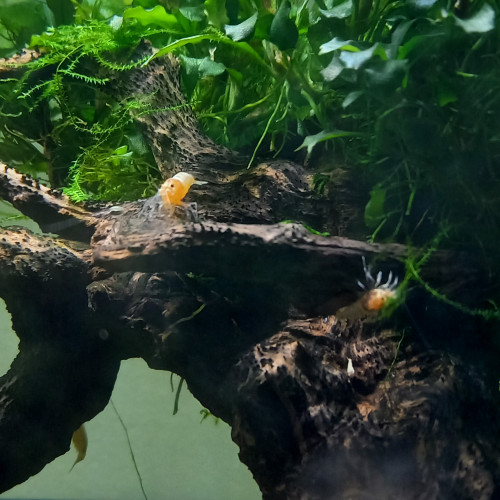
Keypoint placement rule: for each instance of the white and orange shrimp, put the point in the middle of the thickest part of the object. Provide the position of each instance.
(171, 195)
(375, 297)
(377, 294)
(173, 191)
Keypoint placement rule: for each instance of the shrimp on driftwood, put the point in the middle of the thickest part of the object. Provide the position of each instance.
(375, 296)
(169, 196)
(173, 191)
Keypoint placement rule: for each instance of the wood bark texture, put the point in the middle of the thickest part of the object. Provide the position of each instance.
(260, 318)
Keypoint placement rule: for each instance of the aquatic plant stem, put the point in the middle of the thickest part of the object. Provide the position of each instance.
(122, 423)
(269, 122)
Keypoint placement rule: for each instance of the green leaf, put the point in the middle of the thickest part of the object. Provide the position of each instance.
(25, 16)
(311, 140)
(202, 66)
(197, 68)
(215, 37)
(398, 37)
(194, 10)
(64, 11)
(334, 44)
(333, 69)
(183, 41)
(352, 97)
(481, 22)
(283, 32)
(147, 4)
(354, 60)
(157, 16)
(340, 11)
(374, 210)
(216, 12)
(242, 31)
(105, 9)
(386, 72)
(446, 95)
(422, 4)
(120, 150)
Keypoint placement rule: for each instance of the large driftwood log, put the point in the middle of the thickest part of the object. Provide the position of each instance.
(63, 363)
(244, 309)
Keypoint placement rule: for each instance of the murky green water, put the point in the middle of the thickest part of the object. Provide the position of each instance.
(178, 457)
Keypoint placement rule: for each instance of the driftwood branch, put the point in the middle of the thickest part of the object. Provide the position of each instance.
(286, 256)
(65, 372)
(48, 207)
(243, 308)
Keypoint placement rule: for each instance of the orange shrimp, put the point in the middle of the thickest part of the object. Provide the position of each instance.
(375, 297)
(173, 190)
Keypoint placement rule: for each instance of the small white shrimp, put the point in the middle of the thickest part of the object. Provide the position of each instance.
(377, 294)
(375, 297)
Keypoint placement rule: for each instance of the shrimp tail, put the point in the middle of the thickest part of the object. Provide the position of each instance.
(80, 442)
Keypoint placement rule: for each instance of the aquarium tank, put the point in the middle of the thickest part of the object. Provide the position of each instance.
(385, 116)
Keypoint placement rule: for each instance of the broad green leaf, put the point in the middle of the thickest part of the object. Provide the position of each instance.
(216, 12)
(184, 41)
(311, 140)
(214, 37)
(194, 10)
(414, 44)
(398, 37)
(386, 72)
(352, 97)
(334, 44)
(147, 4)
(354, 60)
(446, 95)
(374, 209)
(63, 10)
(283, 32)
(105, 9)
(422, 4)
(242, 31)
(481, 22)
(25, 15)
(120, 150)
(116, 22)
(263, 26)
(333, 69)
(202, 66)
(340, 11)
(157, 16)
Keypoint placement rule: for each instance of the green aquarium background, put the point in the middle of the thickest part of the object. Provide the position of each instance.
(178, 456)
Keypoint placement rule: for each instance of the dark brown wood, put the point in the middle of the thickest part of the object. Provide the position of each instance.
(173, 131)
(391, 427)
(321, 404)
(65, 371)
(288, 256)
(48, 207)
